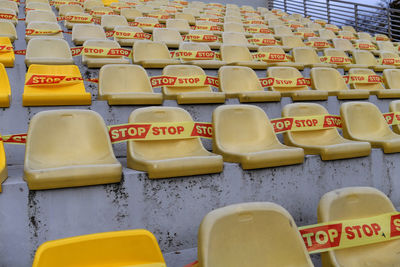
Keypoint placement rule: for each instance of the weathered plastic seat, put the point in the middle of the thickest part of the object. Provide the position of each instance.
(131, 13)
(38, 6)
(192, 11)
(99, 11)
(374, 88)
(281, 30)
(97, 61)
(89, 4)
(389, 59)
(49, 29)
(84, 32)
(347, 35)
(386, 46)
(289, 42)
(332, 27)
(64, 9)
(244, 134)
(342, 60)
(365, 45)
(364, 36)
(10, 5)
(136, 248)
(182, 25)
(275, 22)
(356, 203)
(309, 58)
(305, 33)
(236, 38)
(69, 148)
(314, 26)
(152, 54)
(188, 17)
(145, 9)
(169, 158)
(301, 92)
(232, 18)
(40, 15)
(363, 121)
(146, 23)
(342, 44)
(381, 37)
(189, 94)
(77, 18)
(212, 44)
(251, 234)
(240, 55)
(7, 29)
(366, 58)
(327, 34)
(171, 37)
(109, 22)
(243, 83)
(9, 15)
(126, 85)
(330, 80)
(327, 143)
(349, 28)
(391, 78)
(278, 52)
(5, 99)
(394, 106)
(235, 27)
(7, 55)
(56, 94)
(205, 64)
(126, 41)
(48, 51)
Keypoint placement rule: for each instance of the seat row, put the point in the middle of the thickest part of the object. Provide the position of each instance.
(246, 234)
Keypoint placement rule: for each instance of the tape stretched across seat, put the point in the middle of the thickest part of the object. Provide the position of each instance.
(6, 52)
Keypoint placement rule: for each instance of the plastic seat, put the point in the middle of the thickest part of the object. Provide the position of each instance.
(374, 88)
(282, 61)
(330, 80)
(386, 46)
(290, 42)
(90, 4)
(206, 64)
(38, 6)
(275, 22)
(7, 29)
(131, 13)
(97, 61)
(7, 55)
(182, 25)
(64, 9)
(251, 234)
(327, 34)
(212, 44)
(349, 29)
(391, 59)
(126, 85)
(40, 15)
(281, 30)
(366, 58)
(305, 32)
(381, 37)
(5, 99)
(235, 38)
(145, 9)
(295, 92)
(355, 203)
(347, 35)
(342, 44)
(109, 22)
(55, 94)
(189, 94)
(327, 143)
(99, 11)
(365, 45)
(10, 5)
(318, 43)
(364, 36)
(147, 24)
(240, 55)
(391, 79)
(152, 54)
(309, 58)
(235, 27)
(13, 18)
(363, 121)
(126, 41)
(48, 51)
(121, 248)
(244, 134)
(77, 18)
(192, 11)
(341, 59)
(243, 83)
(188, 17)
(169, 158)
(332, 27)
(232, 18)
(53, 30)
(84, 32)
(69, 148)
(3, 161)
(314, 26)
(171, 37)
(394, 106)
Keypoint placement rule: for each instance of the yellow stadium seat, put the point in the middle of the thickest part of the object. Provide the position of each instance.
(212, 44)
(85, 32)
(381, 37)
(64, 9)
(152, 54)
(232, 18)
(330, 80)
(40, 15)
(171, 37)
(392, 59)
(182, 25)
(76, 19)
(243, 83)
(90, 4)
(126, 41)
(235, 38)
(308, 57)
(363, 121)
(240, 55)
(289, 42)
(342, 44)
(327, 143)
(7, 29)
(38, 6)
(342, 55)
(365, 45)
(53, 30)
(131, 13)
(56, 94)
(99, 11)
(10, 5)
(374, 88)
(315, 26)
(109, 22)
(349, 28)
(364, 36)
(366, 58)
(126, 85)
(326, 34)
(5, 98)
(391, 79)
(188, 17)
(169, 158)
(347, 35)
(69, 148)
(146, 20)
(135, 248)
(97, 61)
(244, 134)
(394, 106)
(192, 11)
(279, 51)
(38, 1)
(386, 46)
(355, 203)
(235, 27)
(281, 30)
(276, 22)
(189, 94)
(249, 235)
(297, 93)
(48, 51)
(145, 9)
(117, 6)
(305, 33)
(9, 12)
(7, 56)
(205, 64)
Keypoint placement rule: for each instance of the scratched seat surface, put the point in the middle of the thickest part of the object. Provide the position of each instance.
(109, 22)
(37, 29)
(40, 15)
(48, 51)
(152, 54)
(64, 9)
(7, 29)
(240, 55)
(83, 32)
(97, 53)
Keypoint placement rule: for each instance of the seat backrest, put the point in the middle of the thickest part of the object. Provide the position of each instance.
(39, 25)
(327, 79)
(305, 55)
(146, 20)
(394, 106)
(364, 36)
(250, 234)
(184, 71)
(235, 53)
(275, 22)
(40, 15)
(9, 4)
(392, 78)
(167, 35)
(292, 41)
(366, 86)
(101, 43)
(326, 34)
(180, 24)
(48, 48)
(363, 120)
(120, 248)
(38, 6)
(228, 19)
(386, 46)
(314, 26)
(333, 52)
(144, 50)
(88, 31)
(89, 4)
(282, 30)
(123, 78)
(188, 17)
(113, 20)
(342, 44)
(235, 79)
(64, 9)
(7, 28)
(346, 34)
(233, 27)
(234, 38)
(349, 28)
(192, 11)
(131, 13)
(285, 73)
(364, 57)
(272, 50)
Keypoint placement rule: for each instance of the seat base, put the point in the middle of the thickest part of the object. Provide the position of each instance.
(46, 99)
(262, 96)
(352, 94)
(157, 64)
(200, 98)
(135, 99)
